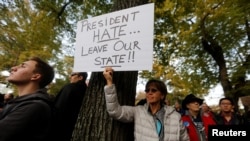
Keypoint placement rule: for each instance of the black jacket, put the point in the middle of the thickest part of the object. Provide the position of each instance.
(236, 119)
(26, 118)
(67, 106)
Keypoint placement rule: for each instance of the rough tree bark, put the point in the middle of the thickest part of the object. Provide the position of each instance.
(94, 124)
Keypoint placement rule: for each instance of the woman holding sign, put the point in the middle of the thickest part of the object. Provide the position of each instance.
(154, 121)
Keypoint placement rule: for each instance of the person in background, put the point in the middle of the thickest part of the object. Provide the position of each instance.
(227, 116)
(67, 105)
(167, 102)
(246, 117)
(178, 108)
(4, 98)
(196, 123)
(153, 120)
(142, 102)
(28, 116)
(206, 111)
(8, 97)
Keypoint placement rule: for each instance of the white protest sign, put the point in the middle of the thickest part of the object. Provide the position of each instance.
(122, 40)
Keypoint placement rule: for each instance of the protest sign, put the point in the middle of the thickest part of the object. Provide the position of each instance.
(122, 40)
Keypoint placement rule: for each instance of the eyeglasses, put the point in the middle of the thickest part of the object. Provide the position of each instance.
(151, 90)
(73, 74)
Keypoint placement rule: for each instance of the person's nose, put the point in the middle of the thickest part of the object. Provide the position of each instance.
(13, 68)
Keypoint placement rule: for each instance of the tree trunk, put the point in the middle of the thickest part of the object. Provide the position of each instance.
(212, 47)
(94, 123)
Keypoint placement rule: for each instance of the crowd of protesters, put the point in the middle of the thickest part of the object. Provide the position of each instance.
(29, 115)
(198, 116)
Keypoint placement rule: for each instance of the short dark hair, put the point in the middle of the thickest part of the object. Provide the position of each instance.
(84, 75)
(227, 98)
(159, 85)
(46, 71)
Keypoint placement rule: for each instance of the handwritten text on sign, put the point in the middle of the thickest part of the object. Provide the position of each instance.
(122, 39)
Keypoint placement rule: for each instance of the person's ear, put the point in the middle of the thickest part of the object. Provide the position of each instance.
(36, 76)
(80, 77)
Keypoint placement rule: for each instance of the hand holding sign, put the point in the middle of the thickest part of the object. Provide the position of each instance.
(108, 74)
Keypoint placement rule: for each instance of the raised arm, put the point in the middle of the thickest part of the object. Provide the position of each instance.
(108, 74)
(115, 110)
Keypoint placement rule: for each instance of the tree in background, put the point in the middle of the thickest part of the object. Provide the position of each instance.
(27, 31)
(199, 44)
(45, 29)
(94, 123)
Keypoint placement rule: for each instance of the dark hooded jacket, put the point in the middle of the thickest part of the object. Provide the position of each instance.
(26, 118)
(67, 106)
